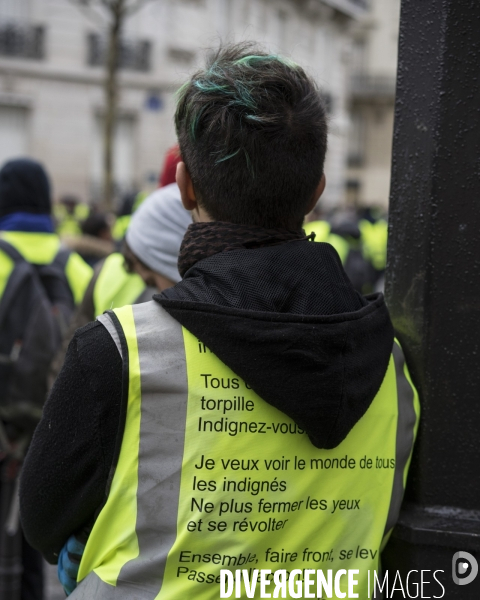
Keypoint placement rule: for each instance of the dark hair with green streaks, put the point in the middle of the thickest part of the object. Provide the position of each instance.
(253, 134)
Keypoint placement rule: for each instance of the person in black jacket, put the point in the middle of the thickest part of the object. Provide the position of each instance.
(252, 168)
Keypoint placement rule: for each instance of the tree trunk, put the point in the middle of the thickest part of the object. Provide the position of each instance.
(111, 100)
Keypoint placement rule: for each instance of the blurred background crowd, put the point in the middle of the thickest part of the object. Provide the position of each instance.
(87, 87)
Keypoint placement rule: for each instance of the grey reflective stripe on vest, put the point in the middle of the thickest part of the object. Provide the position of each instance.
(162, 434)
(107, 322)
(93, 587)
(405, 434)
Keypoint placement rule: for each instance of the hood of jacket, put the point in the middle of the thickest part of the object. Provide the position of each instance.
(288, 322)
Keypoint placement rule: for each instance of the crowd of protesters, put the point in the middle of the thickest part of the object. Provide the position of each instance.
(73, 264)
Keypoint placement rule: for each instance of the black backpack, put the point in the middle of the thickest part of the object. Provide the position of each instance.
(35, 309)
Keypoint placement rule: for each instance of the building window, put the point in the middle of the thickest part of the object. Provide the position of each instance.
(134, 55)
(353, 188)
(356, 152)
(181, 55)
(22, 41)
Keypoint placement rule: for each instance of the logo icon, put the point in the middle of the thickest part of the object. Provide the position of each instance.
(464, 568)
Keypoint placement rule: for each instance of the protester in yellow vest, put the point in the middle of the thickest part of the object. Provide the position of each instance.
(323, 233)
(69, 213)
(147, 265)
(255, 417)
(26, 234)
(130, 205)
(344, 236)
(374, 239)
(26, 223)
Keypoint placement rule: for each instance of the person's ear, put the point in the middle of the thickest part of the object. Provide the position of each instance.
(316, 194)
(184, 182)
(188, 196)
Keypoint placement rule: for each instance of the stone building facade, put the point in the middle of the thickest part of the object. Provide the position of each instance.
(51, 96)
(372, 99)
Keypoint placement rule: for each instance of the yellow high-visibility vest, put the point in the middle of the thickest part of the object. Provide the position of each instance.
(322, 231)
(211, 477)
(41, 249)
(374, 241)
(114, 286)
(69, 223)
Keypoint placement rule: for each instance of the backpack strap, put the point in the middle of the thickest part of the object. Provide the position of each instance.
(10, 251)
(61, 259)
(22, 271)
(55, 280)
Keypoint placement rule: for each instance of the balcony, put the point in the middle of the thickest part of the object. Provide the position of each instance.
(134, 55)
(372, 88)
(22, 41)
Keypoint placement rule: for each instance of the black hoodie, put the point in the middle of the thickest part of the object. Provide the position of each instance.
(284, 318)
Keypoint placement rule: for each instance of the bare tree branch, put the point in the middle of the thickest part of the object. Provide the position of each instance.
(87, 8)
(89, 12)
(109, 5)
(136, 6)
(113, 21)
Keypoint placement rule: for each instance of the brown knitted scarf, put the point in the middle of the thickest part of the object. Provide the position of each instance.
(206, 239)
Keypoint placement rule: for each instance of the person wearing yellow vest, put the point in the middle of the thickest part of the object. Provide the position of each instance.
(374, 238)
(258, 415)
(130, 205)
(69, 213)
(323, 233)
(26, 225)
(147, 263)
(344, 236)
